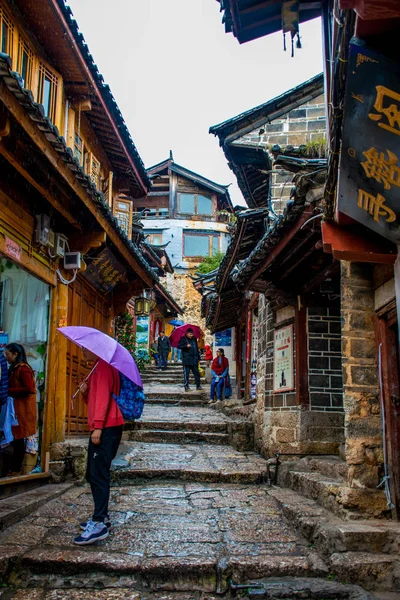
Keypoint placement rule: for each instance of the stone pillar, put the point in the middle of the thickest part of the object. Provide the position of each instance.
(363, 450)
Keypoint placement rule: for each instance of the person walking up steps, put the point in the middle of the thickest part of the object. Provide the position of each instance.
(190, 358)
(164, 347)
(219, 371)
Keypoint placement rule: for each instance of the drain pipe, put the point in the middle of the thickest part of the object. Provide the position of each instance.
(386, 477)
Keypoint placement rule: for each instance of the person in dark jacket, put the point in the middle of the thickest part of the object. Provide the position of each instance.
(164, 347)
(190, 358)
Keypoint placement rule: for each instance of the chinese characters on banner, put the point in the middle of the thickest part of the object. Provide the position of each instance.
(370, 170)
(283, 359)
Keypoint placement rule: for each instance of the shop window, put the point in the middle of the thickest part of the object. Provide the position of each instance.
(200, 244)
(123, 211)
(25, 63)
(195, 204)
(47, 91)
(78, 148)
(6, 33)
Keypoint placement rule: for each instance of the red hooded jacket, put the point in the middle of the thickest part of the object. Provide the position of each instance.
(103, 410)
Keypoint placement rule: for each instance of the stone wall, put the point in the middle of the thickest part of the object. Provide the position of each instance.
(180, 286)
(281, 425)
(363, 450)
(303, 125)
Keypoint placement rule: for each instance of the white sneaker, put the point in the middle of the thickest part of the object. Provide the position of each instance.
(94, 532)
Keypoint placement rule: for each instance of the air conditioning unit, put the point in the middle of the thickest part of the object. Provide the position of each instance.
(61, 244)
(42, 233)
(72, 260)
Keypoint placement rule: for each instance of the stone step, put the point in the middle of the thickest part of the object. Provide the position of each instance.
(330, 534)
(330, 466)
(188, 462)
(180, 400)
(177, 436)
(274, 588)
(373, 571)
(166, 379)
(15, 508)
(317, 487)
(182, 426)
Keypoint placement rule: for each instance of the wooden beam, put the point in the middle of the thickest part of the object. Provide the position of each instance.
(42, 190)
(85, 243)
(346, 244)
(326, 273)
(59, 165)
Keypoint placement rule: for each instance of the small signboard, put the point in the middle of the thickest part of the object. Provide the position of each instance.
(12, 249)
(223, 338)
(283, 359)
(370, 170)
(104, 272)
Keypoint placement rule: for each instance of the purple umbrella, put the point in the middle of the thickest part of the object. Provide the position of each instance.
(105, 347)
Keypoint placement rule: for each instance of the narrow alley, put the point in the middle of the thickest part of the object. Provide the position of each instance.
(192, 518)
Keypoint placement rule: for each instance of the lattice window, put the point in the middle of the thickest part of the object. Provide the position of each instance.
(47, 91)
(123, 210)
(95, 172)
(6, 33)
(25, 63)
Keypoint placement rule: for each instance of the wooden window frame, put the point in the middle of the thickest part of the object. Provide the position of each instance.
(23, 47)
(6, 19)
(210, 247)
(124, 217)
(196, 204)
(79, 151)
(55, 105)
(151, 238)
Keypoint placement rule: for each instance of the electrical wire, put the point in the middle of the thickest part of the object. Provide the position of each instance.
(67, 281)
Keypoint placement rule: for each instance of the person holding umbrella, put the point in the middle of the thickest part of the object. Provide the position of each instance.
(190, 358)
(100, 390)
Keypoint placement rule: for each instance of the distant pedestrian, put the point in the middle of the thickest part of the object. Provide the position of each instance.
(208, 355)
(154, 352)
(190, 358)
(105, 424)
(219, 372)
(164, 346)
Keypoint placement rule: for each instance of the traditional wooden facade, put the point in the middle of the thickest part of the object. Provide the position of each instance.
(69, 174)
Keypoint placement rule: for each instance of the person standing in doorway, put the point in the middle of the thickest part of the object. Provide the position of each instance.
(190, 358)
(164, 347)
(105, 423)
(21, 387)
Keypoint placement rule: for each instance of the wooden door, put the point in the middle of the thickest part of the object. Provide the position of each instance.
(388, 363)
(86, 307)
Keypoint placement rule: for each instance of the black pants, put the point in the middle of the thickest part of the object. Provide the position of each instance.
(98, 469)
(12, 457)
(195, 371)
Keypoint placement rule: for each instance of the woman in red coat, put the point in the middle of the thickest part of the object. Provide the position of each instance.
(21, 387)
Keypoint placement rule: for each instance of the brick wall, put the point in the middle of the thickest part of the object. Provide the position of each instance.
(325, 358)
(304, 125)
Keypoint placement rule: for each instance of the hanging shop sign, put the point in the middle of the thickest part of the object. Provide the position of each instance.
(142, 333)
(283, 359)
(370, 169)
(12, 249)
(105, 271)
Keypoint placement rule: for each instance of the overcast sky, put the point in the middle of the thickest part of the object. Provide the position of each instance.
(174, 72)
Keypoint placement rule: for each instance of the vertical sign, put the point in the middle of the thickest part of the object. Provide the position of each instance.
(283, 359)
(142, 332)
(369, 183)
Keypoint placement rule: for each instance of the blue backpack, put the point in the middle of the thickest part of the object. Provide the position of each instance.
(130, 400)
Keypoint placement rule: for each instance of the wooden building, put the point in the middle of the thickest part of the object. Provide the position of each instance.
(69, 175)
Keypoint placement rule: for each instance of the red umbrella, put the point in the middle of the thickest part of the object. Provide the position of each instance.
(180, 331)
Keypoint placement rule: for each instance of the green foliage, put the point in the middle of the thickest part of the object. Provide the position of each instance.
(210, 263)
(125, 336)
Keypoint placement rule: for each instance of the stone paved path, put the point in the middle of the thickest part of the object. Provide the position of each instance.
(190, 520)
